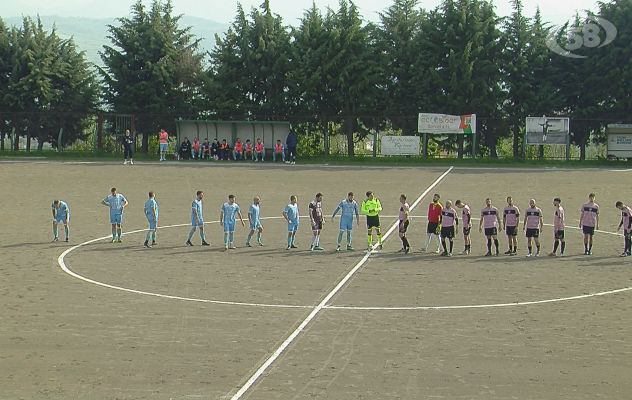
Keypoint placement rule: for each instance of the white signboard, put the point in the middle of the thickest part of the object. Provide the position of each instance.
(547, 130)
(444, 124)
(620, 145)
(400, 145)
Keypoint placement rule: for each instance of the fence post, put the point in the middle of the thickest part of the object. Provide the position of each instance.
(425, 146)
(59, 136)
(568, 142)
(374, 143)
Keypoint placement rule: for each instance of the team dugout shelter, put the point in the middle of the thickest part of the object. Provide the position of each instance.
(268, 131)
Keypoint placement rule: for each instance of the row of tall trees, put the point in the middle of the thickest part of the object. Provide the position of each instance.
(334, 70)
(458, 58)
(46, 84)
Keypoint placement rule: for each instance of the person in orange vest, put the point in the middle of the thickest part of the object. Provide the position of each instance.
(196, 149)
(164, 143)
(279, 151)
(238, 150)
(260, 153)
(248, 155)
(224, 150)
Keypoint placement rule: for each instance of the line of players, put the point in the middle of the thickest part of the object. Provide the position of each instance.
(442, 222)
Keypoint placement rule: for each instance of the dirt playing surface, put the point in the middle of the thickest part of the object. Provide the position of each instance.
(64, 338)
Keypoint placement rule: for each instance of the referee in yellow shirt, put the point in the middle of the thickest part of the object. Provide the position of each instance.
(372, 207)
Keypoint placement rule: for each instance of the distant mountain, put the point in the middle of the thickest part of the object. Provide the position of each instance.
(90, 34)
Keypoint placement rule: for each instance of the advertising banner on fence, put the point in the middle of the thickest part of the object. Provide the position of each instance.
(620, 140)
(400, 145)
(444, 124)
(547, 130)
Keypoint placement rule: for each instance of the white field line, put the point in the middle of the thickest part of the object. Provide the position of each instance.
(253, 379)
(497, 305)
(64, 267)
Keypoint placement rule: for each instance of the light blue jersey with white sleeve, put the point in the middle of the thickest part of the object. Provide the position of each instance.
(151, 205)
(254, 215)
(229, 211)
(196, 213)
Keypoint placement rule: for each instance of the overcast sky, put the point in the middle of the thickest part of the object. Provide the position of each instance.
(555, 11)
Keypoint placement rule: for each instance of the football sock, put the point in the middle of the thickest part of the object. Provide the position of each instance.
(191, 232)
(451, 245)
(348, 238)
(339, 240)
(557, 242)
(67, 231)
(496, 244)
(489, 245)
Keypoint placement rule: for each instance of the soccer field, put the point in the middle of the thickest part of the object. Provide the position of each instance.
(92, 319)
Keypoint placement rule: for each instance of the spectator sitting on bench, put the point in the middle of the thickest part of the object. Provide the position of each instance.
(248, 150)
(279, 151)
(185, 149)
(215, 149)
(224, 150)
(238, 154)
(206, 150)
(196, 149)
(260, 151)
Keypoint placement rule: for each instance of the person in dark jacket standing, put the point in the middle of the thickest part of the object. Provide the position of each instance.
(128, 147)
(291, 142)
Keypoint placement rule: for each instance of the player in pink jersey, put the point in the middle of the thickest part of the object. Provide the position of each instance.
(466, 217)
(588, 222)
(626, 223)
(533, 223)
(449, 220)
(404, 211)
(511, 220)
(490, 220)
(559, 219)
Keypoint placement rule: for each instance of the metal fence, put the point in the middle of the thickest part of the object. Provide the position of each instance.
(318, 135)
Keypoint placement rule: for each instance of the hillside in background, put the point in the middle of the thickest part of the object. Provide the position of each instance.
(90, 34)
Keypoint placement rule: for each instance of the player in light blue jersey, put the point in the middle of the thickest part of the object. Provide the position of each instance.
(61, 215)
(254, 217)
(151, 212)
(348, 208)
(116, 202)
(227, 215)
(291, 216)
(197, 219)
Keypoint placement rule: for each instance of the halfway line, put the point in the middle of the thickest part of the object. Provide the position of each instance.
(251, 381)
